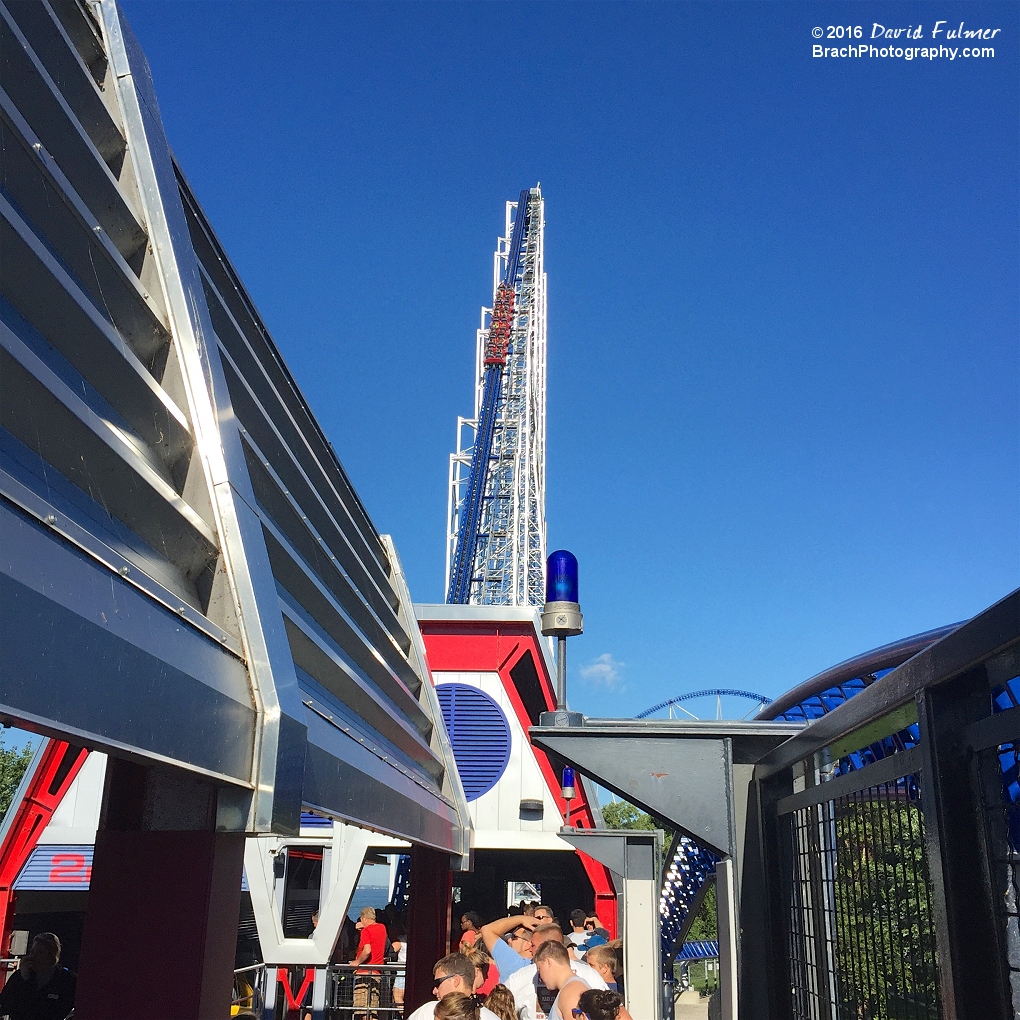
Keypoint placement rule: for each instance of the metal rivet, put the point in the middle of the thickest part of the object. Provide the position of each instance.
(182, 610)
(51, 519)
(124, 571)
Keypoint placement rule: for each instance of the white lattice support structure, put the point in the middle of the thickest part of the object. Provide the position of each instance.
(509, 560)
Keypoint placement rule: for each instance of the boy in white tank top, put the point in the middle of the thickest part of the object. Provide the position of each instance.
(553, 963)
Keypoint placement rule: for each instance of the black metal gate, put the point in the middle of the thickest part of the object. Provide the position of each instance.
(861, 940)
(890, 842)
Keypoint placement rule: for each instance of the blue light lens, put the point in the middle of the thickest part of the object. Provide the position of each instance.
(561, 577)
(568, 778)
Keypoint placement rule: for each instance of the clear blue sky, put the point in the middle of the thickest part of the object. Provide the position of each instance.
(784, 389)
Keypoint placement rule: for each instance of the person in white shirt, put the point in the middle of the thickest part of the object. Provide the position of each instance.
(453, 973)
(553, 963)
(531, 997)
(580, 933)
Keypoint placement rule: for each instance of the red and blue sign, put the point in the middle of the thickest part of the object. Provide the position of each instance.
(62, 868)
(57, 867)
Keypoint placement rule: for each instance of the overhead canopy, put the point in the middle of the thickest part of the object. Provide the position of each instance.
(186, 573)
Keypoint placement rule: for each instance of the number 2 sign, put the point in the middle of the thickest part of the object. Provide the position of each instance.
(69, 869)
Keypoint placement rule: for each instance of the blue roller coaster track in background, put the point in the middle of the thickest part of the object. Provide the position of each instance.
(714, 692)
(692, 866)
(471, 512)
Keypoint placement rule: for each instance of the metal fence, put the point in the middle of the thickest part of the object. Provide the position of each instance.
(860, 935)
(336, 992)
(998, 767)
(889, 839)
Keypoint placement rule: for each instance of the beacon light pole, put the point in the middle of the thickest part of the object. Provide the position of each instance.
(561, 618)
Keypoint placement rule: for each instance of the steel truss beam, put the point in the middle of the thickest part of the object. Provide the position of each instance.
(508, 559)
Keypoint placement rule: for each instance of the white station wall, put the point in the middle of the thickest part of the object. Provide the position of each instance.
(496, 815)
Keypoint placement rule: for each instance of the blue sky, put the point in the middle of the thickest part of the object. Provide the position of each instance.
(783, 297)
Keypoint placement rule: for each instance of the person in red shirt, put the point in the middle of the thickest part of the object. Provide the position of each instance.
(371, 949)
(469, 925)
(486, 972)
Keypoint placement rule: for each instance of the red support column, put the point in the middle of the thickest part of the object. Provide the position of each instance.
(52, 773)
(161, 926)
(428, 922)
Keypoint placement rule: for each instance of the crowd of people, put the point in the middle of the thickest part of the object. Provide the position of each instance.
(525, 967)
(522, 967)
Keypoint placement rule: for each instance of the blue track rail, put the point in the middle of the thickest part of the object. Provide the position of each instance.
(693, 865)
(471, 512)
(722, 692)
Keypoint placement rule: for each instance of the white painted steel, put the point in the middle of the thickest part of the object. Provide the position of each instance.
(726, 912)
(509, 567)
(641, 948)
(348, 845)
(76, 818)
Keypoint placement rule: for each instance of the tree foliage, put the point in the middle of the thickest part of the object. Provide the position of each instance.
(705, 927)
(883, 913)
(13, 763)
(621, 815)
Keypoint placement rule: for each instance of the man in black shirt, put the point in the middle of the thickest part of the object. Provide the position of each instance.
(40, 989)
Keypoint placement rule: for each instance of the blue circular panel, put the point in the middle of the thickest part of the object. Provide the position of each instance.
(480, 736)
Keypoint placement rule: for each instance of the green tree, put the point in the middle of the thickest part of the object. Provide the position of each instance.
(621, 815)
(704, 927)
(883, 913)
(13, 763)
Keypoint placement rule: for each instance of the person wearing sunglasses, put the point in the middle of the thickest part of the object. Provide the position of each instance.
(595, 1004)
(532, 997)
(453, 973)
(508, 940)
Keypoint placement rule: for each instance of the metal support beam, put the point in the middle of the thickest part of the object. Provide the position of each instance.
(348, 845)
(973, 973)
(680, 772)
(729, 936)
(634, 855)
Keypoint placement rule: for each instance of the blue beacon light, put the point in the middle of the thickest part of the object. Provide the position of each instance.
(561, 577)
(569, 786)
(561, 618)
